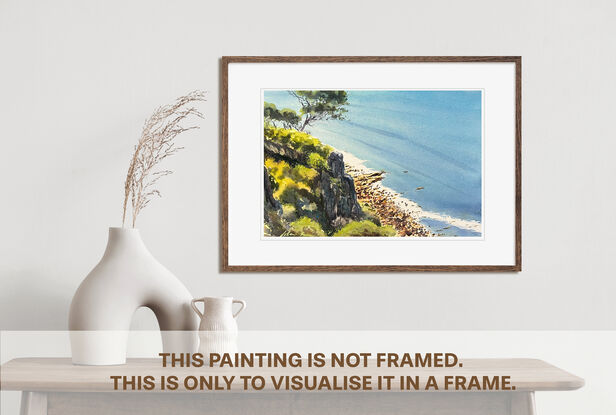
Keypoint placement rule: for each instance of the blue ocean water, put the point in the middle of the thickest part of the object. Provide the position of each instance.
(429, 140)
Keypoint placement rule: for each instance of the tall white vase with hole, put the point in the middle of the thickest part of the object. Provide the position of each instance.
(126, 278)
(218, 328)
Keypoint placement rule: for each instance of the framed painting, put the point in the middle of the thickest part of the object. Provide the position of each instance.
(371, 164)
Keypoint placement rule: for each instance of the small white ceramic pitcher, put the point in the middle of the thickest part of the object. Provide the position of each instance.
(218, 328)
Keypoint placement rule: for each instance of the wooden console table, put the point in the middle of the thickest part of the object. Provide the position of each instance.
(55, 386)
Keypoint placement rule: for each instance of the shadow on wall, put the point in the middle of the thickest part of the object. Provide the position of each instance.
(26, 305)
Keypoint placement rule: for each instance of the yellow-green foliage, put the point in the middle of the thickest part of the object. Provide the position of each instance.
(305, 227)
(304, 143)
(281, 169)
(288, 188)
(289, 213)
(277, 168)
(370, 215)
(301, 173)
(315, 160)
(365, 228)
(287, 183)
(293, 184)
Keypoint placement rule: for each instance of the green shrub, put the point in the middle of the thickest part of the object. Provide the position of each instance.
(370, 215)
(304, 143)
(315, 160)
(277, 169)
(289, 213)
(293, 186)
(305, 227)
(280, 170)
(365, 228)
(294, 193)
(301, 173)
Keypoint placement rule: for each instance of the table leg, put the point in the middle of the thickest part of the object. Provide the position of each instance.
(33, 403)
(523, 403)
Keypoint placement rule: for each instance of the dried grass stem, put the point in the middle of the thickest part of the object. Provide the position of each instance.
(157, 142)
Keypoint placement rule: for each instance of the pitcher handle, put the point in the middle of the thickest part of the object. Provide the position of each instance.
(194, 306)
(243, 306)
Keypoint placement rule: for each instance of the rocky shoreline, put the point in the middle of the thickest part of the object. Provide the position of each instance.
(387, 204)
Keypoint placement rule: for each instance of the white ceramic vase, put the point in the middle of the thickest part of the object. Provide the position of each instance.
(218, 328)
(126, 278)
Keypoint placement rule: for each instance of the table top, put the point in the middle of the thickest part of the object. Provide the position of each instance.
(60, 375)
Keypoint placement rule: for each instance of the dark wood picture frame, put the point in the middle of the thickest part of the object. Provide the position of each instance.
(225, 267)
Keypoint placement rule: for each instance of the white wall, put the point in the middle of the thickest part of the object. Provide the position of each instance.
(78, 78)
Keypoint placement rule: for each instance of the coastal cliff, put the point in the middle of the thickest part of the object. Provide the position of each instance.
(309, 192)
(338, 196)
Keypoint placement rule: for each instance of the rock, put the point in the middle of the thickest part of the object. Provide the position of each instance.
(335, 162)
(278, 150)
(273, 223)
(269, 195)
(272, 209)
(338, 194)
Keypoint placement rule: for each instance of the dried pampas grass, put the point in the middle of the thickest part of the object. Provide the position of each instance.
(157, 142)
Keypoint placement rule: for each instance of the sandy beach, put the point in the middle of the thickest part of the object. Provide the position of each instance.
(391, 207)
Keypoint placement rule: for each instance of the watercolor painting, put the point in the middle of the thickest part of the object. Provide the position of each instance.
(373, 163)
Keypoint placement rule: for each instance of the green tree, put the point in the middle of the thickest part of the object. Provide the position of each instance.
(286, 116)
(320, 105)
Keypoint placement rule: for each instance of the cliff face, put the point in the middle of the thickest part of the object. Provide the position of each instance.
(286, 152)
(269, 194)
(338, 196)
(338, 199)
(308, 192)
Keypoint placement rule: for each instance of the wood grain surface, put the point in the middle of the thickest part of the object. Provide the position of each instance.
(59, 374)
